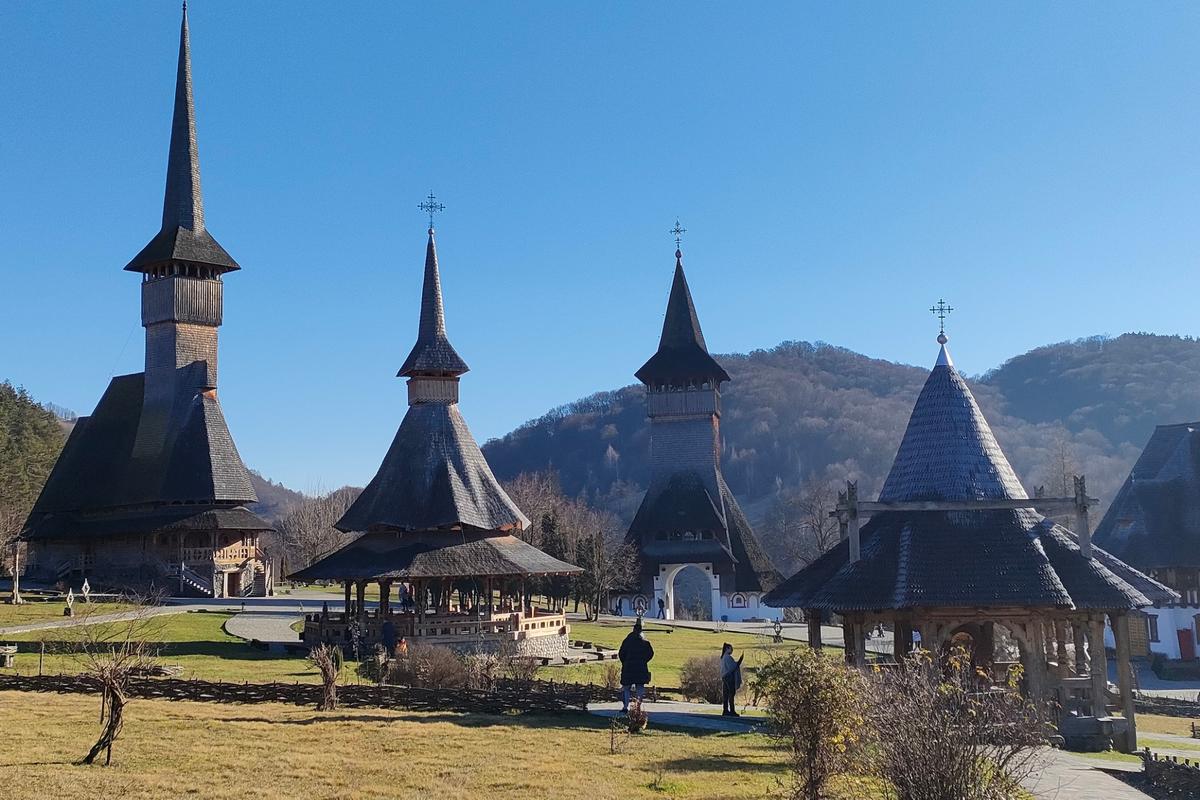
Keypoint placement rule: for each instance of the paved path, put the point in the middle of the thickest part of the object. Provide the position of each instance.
(273, 628)
(698, 716)
(1069, 777)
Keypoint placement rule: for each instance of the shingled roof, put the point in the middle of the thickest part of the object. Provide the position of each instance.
(689, 501)
(183, 237)
(682, 355)
(1154, 522)
(432, 354)
(986, 558)
(433, 555)
(433, 477)
(98, 487)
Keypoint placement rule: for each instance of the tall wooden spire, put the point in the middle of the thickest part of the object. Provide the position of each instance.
(183, 237)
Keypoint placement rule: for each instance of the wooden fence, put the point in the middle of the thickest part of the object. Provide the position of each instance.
(505, 696)
(1180, 777)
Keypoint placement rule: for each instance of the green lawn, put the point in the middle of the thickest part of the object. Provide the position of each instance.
(41, 610)
(195, 641)
(671, 648)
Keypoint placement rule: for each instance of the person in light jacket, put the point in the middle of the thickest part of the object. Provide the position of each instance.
(731, 679)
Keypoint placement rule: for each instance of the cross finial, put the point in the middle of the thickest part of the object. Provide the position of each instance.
(941, 310)
(431, 206)
(679, 231)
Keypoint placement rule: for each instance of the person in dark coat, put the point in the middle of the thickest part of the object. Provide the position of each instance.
(731, 679)
(635, 655)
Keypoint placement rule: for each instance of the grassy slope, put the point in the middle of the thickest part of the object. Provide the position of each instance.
(40, 611)
(196, 642)
(268, 751)
(671, 649)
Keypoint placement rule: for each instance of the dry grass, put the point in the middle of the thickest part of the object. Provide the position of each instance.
(176, 749)
(1158, 723)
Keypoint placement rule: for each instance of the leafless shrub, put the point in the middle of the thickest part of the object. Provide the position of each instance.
(611, 677)
(818, 710)
(700, 678)
(322, 657)
(430, 667)
(946, 734)
(111, 653)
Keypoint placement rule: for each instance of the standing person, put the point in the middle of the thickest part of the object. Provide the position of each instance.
(731, 679)
(662, 609)
(635, 655)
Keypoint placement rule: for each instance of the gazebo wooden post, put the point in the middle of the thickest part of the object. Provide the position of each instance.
(1033, 659)
(813, 615)
(901, 638)
(385, 597)
(1064, 662)
(347, 608)
(361, 596)
(1120, 624)
(1079, 637)
(1099, 666)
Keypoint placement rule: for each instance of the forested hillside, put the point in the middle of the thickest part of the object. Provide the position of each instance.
(802, 414)
(30, 439)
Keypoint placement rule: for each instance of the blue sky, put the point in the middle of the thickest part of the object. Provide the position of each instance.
(838, 168)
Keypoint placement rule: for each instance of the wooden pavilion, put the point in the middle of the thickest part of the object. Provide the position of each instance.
(956, 551)
(436, 525)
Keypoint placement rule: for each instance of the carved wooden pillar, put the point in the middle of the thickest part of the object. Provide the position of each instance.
(813, 616)
(1099, 666)
(901, 639)
(361, 596)
(1079, 637)
(1120, 623)
(347, 608)
(385, 597)
(1060, 636)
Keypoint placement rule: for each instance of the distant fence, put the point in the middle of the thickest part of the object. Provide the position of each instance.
(1169, 706)
(1179, 777)
(505, 696)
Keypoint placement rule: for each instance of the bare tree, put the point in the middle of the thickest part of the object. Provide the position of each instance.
(111, 653)
(324, 659)
(800, 518)
(10, 547)
(306, 532)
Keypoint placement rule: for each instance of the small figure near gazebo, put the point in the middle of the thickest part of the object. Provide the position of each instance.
(731, 679)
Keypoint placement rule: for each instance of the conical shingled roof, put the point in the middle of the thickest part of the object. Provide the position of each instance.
(682, 355)
(948, 451)
(183, 237)
(1154, 521)
(985, 558)
(432, 354)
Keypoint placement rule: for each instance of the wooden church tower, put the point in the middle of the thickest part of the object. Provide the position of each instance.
(150, 489)
(689, 517)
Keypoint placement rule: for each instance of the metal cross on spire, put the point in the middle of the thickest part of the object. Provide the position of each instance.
(679, 231)
(941, 310)
(431, 206)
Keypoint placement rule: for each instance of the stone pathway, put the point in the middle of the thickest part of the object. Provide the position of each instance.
(272, 628)
(1069, 777)
(698, 716)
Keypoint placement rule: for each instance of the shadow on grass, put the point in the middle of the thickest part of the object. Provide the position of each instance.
(716, 764)
(572, 721)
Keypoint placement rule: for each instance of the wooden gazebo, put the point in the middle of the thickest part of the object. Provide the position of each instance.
(955, 550)
(436, 524)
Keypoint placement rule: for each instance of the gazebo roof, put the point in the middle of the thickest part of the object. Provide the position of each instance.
(984, 558)
(434, 554)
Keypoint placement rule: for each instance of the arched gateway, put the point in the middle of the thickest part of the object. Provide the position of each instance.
(689, 518)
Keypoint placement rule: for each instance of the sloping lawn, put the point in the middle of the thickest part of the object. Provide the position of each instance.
(42, 610)
(194, 641)
(176, 749)
(672, 647)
